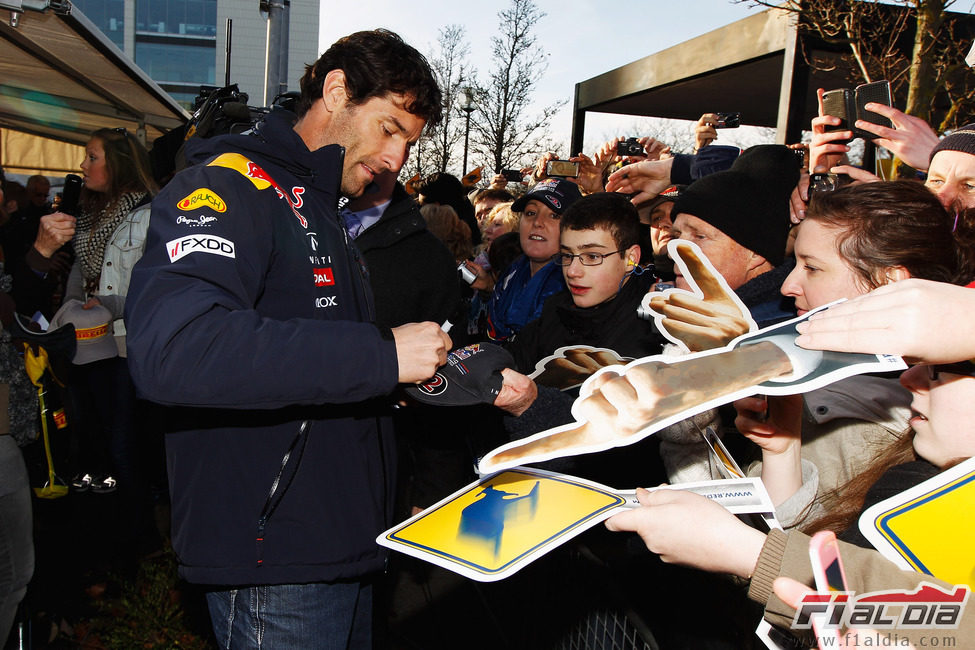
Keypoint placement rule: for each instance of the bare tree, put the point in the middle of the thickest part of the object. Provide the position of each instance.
(502, 134)
(915, 44)
(451, 68)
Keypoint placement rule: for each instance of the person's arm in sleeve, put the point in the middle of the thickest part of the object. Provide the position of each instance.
(787, 554)
(194, 337)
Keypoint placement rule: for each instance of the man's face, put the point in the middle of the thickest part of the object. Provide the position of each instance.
(377, 136)
(38, 191)
(482, 208)
(661, 227)
(594, 285)
(539, 232)
(952, 178)
(732, 260)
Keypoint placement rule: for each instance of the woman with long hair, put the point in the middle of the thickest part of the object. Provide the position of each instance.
(852, 241)
(108, 237)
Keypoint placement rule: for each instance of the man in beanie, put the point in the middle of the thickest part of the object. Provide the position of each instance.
(740, 219)
(951, 174)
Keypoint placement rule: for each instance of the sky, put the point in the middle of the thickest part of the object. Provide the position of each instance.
(582, 38)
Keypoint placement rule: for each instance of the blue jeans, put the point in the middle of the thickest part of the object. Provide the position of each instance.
(299, 617)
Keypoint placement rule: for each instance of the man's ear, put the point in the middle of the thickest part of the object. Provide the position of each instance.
(632, 255)
(756, 261)
(334, 92)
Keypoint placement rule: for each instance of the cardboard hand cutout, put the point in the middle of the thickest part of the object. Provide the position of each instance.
(620, 405)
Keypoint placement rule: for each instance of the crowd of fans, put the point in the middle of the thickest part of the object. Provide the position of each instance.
(550, 261)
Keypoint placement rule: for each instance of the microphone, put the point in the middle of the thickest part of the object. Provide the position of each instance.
(70, 194)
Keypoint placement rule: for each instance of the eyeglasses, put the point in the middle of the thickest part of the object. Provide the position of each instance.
(121, 130)
(966, 368)
(586, 259)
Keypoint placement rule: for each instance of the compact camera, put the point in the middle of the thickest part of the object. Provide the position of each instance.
(727, 120)
(630, 147)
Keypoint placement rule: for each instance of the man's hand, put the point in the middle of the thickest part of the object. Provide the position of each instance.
(646, 179)
(590, 178)
(704, 131)
(55, 231)
(912, 139)
(689, 529)
(518, 392)
(826, 149)
(655, 149)
(799, 198)
(857, 175)
(421, 348)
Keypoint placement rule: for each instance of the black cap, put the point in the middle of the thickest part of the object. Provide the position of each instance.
(556, 193)
(472, 375)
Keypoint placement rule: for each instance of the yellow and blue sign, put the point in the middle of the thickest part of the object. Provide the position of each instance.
(491, 528)
(929, 528)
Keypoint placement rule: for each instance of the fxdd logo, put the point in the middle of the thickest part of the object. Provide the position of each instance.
(179, 248)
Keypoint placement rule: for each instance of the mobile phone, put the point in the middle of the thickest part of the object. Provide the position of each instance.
(728, 120)
(512, 175)
(839, 103)
(879, 93)
(630, 147)
(562, 169)
(824, 555)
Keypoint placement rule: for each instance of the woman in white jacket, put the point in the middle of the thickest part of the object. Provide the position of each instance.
(108, 237)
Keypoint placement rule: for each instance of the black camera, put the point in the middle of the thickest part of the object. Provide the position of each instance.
(727, 120)
(630, 147)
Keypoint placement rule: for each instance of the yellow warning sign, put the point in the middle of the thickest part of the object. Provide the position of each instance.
(492, 525)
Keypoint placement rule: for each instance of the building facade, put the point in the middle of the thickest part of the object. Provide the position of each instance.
(181, 44)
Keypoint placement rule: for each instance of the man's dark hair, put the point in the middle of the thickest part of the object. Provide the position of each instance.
(493, 194)
(607, 211)
(376, 63)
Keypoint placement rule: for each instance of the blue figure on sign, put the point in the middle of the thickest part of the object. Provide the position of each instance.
(485, 518)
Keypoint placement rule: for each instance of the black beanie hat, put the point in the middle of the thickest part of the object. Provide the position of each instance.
(962, 139)
(741, 207)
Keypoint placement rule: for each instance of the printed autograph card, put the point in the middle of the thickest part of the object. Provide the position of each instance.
(929, 528)
(493, 527)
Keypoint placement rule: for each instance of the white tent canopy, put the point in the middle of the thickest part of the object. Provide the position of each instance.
(61, 78)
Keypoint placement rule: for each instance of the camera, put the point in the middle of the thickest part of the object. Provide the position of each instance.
(823, 182)
(562, 169)
(728, 120)
(512, 175)
(465, 273)
(630, 147)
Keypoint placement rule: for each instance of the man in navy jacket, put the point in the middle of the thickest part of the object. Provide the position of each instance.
(251, 319)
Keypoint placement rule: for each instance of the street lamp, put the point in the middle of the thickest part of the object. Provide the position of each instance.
(467, 105)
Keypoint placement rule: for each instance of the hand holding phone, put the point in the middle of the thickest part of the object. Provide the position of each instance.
(562, 169)
(824, 555)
